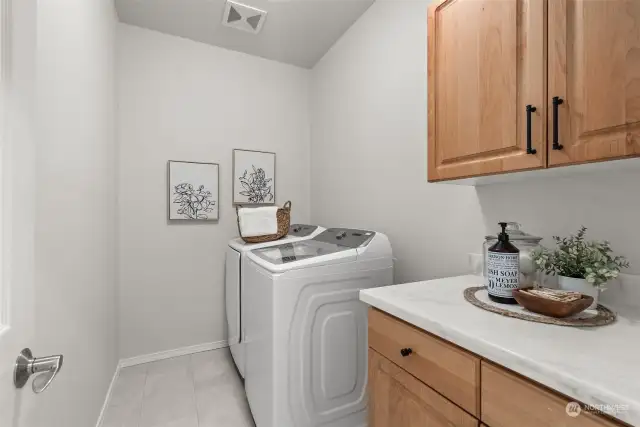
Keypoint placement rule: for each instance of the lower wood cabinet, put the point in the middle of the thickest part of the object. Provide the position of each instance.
(452, 371)
(419, 380)
(398, 399)
(509, 400)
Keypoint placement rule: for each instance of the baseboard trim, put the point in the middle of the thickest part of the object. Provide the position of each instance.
(108, 396)
(146, 358)
(168, 354)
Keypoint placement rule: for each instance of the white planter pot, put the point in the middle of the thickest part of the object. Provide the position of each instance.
(580, 285)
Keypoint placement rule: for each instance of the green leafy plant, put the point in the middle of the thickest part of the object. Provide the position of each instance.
(579, 258)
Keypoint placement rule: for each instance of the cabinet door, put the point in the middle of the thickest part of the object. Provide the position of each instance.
(398, 399)
(594, 68)
(486, 63)
(512, 401)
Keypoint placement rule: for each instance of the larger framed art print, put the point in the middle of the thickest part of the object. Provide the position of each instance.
(193, 191)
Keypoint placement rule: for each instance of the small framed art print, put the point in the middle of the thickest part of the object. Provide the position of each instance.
(254, 177)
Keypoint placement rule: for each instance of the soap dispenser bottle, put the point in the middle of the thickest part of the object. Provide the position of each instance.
(503, 269)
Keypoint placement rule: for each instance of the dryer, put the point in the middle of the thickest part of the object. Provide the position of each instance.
(234, 260)
(306, 330)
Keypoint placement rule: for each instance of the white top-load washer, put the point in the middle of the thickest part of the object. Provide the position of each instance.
(306, 330)
(234, 260)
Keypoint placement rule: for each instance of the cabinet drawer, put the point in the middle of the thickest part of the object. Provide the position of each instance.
(511, 401)
(397, 399)
(449, 370)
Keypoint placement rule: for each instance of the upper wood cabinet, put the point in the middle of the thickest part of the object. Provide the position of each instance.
(490, 59)
(594, 68)
(485, 65)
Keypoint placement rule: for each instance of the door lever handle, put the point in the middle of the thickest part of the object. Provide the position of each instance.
(45, 369)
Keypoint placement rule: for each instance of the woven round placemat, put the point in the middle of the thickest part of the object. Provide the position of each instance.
(599, 317)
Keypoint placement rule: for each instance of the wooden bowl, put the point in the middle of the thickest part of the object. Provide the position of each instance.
(549, 307)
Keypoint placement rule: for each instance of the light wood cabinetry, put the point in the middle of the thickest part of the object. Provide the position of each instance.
(485, 64)
(454, 372)
(488, 60)
(400, 400)
(509, 400)
(594, 68)
(438, 384)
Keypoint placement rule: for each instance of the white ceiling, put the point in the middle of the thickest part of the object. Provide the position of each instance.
(297, 32)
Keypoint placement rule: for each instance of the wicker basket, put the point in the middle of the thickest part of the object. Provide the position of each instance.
(284, 220)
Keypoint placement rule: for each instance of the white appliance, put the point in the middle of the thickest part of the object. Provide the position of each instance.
(306, 330)
(235, 259)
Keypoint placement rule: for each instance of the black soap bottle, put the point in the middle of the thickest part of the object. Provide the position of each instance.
(503, 269)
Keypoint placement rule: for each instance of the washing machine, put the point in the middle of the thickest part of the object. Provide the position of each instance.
(306, 331)
(235, 258)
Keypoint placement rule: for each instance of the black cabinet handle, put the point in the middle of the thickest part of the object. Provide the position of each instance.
(556, 101)
(530, 109)
(405, 352)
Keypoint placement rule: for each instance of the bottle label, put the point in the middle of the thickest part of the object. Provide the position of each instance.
(503, 273)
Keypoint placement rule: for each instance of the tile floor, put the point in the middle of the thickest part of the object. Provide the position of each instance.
(199, 390)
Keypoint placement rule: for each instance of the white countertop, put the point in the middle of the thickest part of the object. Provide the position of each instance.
(597, 366)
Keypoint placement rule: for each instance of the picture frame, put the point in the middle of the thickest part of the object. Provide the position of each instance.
(254, 177)
(193, 190)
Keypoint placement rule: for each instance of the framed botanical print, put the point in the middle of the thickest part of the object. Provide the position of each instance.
(254, 177)
(193, 191)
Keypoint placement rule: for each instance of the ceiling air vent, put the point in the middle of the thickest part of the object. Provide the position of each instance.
(243, 17)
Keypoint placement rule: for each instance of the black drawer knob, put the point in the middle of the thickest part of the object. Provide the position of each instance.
(406, 352)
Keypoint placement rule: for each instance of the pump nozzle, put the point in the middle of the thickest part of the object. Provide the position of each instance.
(503, 235)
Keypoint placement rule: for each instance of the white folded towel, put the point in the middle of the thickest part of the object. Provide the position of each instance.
(258, 221)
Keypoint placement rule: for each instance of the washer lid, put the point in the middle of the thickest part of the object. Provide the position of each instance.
(298, 251)
(303, 230)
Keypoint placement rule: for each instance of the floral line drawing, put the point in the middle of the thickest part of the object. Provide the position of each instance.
(194, 204)
(256, 185)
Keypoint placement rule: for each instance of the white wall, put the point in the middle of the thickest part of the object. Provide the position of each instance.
(368, 138)
(181, 100)
(606, 203)
(369, 160)
(75, 289)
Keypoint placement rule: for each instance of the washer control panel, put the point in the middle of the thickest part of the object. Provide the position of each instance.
(349, 237)
(301, 230)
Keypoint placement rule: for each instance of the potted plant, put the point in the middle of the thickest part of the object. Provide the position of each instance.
(581, 265)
